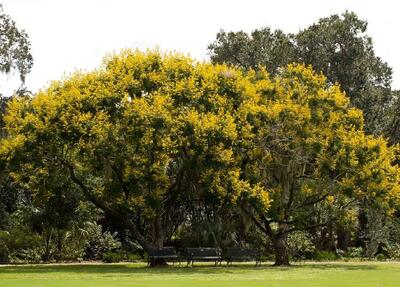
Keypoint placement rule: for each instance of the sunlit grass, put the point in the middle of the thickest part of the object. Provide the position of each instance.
(363, 274)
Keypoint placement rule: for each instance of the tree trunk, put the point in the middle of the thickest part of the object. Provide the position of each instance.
(46, 255)
(281, 247)
(59, 245)
(159, 262)
(343, 238)
(158, 239)
(363, 227)
(159, 230)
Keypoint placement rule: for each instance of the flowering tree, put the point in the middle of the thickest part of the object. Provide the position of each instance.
(148, 133)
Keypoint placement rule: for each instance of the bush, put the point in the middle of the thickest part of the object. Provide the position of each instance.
(393, 250)
(325, 256)
(381, 257)
(354, 252)
(4, 252)
(27, 255)
(133, 258)
(113, 257)
(300, 245)
(22, 243)
(100, 243)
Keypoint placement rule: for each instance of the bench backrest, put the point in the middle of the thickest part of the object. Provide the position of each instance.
(164, 251)
(203, 252)
(238, 252)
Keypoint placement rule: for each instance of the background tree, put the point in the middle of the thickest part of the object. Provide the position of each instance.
(337, 46)
(392, 130)
(272, 50)
(14, 47)
(14, 55)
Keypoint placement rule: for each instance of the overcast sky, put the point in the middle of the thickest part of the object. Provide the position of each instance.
(75, 34)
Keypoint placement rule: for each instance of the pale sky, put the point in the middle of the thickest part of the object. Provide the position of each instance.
(69, 35)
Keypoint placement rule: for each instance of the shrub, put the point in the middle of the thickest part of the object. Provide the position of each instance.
(4, 252)
(301, 246)
(325, 256)
(112, 257)
(133, 257)
(381, 257)
(354, 252)
(27, 255)
(100, 242)
(393, 250)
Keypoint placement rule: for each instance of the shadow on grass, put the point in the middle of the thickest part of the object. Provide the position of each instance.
(344, 266)
(182, 269)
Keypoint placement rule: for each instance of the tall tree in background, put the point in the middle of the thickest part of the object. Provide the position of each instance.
(392, 130)
(14, 47)
(14, 55)
(272, 50)
(337, 46)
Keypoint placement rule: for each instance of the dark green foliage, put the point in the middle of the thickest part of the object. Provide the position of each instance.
(325, 256)
(99, 242)
(112, 257)
(120, 256)
(301, 246)
(4, 251)
(263, 47)
(392, 129)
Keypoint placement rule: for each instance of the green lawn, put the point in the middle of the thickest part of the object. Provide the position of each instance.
(338, 274)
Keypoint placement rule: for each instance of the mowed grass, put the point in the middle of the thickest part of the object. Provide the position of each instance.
(338, 274)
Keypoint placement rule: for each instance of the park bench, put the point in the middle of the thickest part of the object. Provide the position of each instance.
(239, 254)
(166, 253)
(203, 254)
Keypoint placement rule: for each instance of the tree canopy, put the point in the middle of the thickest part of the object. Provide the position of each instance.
(135, 137)
(148, 134)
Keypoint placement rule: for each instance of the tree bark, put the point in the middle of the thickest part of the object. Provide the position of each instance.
(343, 238)
(59, 245)
(159, 262)
(158, 239)
(281, 246)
